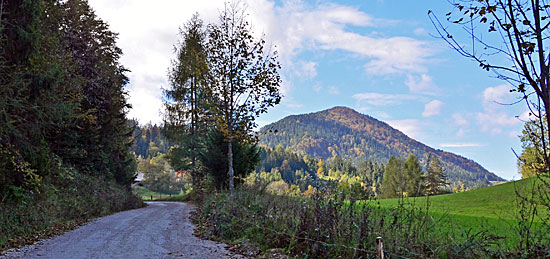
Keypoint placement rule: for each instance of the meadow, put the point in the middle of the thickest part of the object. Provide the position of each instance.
(496, 202)
(148, 195)
(496, 211)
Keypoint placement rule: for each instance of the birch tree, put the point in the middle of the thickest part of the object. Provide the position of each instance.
(244, 77)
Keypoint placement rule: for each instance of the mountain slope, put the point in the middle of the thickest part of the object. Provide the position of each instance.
(354, 136)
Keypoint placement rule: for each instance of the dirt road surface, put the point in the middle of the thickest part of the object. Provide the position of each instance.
(160, 230)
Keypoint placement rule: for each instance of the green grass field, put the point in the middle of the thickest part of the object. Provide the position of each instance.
(497, 202)
(148, 195)
(492, 209)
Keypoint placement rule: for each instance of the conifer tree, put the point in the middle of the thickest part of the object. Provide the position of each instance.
(435, 176)
(415, 177)
(394, 181)
(185, 106)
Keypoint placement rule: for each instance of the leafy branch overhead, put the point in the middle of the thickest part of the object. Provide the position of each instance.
(509, 38)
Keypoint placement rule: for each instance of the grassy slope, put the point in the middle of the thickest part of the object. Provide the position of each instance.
(498, 202)
(493, 209)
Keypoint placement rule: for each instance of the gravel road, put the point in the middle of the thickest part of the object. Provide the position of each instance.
(160, 230)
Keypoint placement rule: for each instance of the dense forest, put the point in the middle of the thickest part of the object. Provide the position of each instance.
(148, 140)
(346, 133)
(64, 137)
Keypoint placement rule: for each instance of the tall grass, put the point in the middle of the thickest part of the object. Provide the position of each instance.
(328, 228)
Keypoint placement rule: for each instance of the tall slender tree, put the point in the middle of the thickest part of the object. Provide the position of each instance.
(435, 176)
(414, 177)
(531, 161)
(244, 77)
(394, 181)
(185, 106)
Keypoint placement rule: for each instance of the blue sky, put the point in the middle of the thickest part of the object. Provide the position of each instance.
(378, 57)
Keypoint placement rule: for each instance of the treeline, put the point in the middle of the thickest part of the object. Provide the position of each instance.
(62, 115)
(282, 171)
(148, 140)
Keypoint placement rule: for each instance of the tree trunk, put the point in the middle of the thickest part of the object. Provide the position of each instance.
(230, 172)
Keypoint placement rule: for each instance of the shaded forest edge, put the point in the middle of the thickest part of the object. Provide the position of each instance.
(64, 137)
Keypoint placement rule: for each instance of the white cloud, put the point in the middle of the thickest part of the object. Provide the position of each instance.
(528, 115)
(148, 32)
(462, 132)
(308, 70)
(298, 26)
(432, 108)
(460, 120)
(411, 127)
(461, 145)
(378, 99)
(146, 105)
(423, 84)
(317, 87)
(494, 118)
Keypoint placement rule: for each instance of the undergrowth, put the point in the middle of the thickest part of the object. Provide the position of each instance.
(61, 204)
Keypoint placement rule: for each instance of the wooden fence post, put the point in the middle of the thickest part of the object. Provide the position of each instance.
(214, 220)
(379, 248)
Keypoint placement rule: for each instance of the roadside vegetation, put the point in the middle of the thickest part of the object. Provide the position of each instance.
(325, 226)
(64, 137)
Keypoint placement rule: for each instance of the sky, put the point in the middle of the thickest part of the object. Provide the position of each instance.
(379, 57)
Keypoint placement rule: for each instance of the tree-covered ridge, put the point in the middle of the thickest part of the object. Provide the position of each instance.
(353, 136)
(148, 140)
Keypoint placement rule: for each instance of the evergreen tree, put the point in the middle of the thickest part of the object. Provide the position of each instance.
(435, 176)
(185, 108)
(414, 177)
(213, 154)
(62, 96)
(394, 182)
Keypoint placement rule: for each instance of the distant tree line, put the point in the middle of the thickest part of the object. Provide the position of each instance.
(148, 140)
(297, 174)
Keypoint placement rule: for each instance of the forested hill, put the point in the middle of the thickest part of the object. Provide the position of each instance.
(148, 140)
(354, 136)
